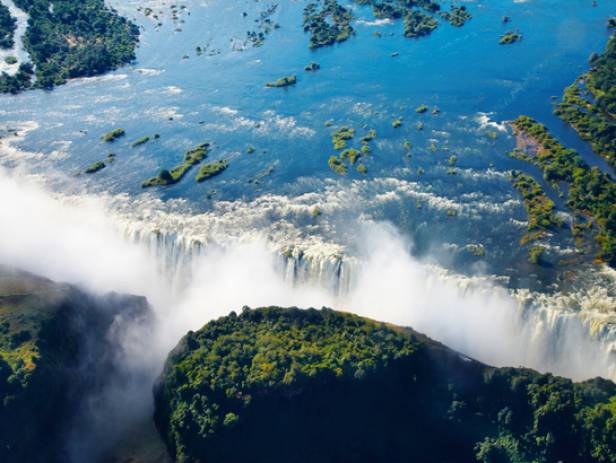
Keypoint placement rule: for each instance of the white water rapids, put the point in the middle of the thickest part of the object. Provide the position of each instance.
(126, 245)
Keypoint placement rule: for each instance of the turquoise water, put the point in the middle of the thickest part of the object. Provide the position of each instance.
(476, 84)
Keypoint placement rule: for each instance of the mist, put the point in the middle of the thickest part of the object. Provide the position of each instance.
(74, 239)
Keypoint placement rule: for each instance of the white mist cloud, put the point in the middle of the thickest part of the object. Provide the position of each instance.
(474, 316)
(68, 241)
(75, 239)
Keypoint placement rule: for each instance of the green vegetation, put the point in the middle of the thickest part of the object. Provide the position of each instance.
(591, 193)
(319, 385)
(351, 156)
(144, 140)
(457, 15)
(10, 60)
(327, 25)
(417, 24)
(453, 159)
(256, 180)
(510, 37)
(49, 334)
(330, 22)
(538, 205)
(371, 135)
(282, 82)
(72, 39)
(264, 25)
(396, 123)
(211, 169)
(113, 135)
(191, 158)
(100, 165)
(535, 254)
(540, 211)
(312, 66)
(95, 167)
(589, 104)
(8, 25)
(341, 136)
(476, 250)
(337, 165)
(251, 149)
(421, 109)
(22, 79)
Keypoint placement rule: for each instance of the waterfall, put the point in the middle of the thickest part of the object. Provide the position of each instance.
(553, 332)
(195, 266)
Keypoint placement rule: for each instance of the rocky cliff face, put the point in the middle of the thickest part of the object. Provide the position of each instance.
(55, 349)
(296, 385)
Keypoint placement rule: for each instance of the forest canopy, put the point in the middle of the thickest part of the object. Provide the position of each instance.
(68, 39)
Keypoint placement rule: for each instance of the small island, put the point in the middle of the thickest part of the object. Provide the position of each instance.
(457, 16)
(591, 193)
(540, 210)
(282, 82)
(341, 136)
(144, 140)
(100, 165)
(113, 135)
(327, 25)
(337, 165)
(371, 135)
(211, 169)
(349, 156)
(312, 67)
(95, 167)
(417, 24)
(510, 37)
(191, 158)
(535, 255)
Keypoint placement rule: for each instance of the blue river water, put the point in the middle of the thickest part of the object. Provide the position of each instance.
(364, 83)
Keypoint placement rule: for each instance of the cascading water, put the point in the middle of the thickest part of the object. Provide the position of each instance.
(196, 266)
(556, 332)
(193, 269)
